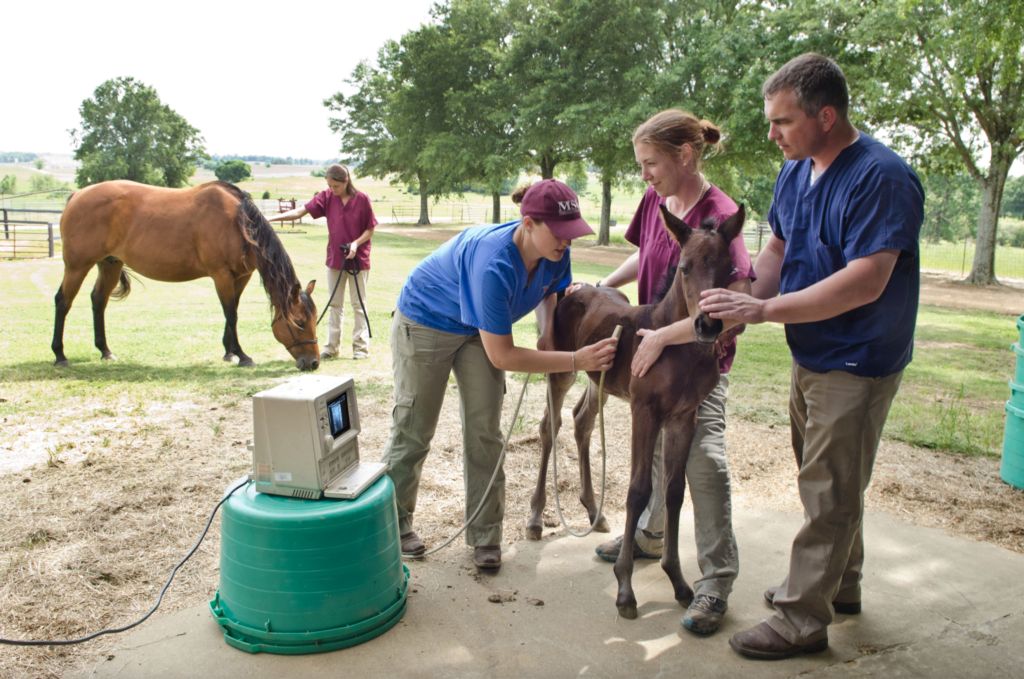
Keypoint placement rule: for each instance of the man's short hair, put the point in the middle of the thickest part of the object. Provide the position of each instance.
(817, 82)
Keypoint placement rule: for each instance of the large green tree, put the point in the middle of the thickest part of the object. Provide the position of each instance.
(949, 90)
(480, 140)
(393, 121)
(128, 133)
(607, 75)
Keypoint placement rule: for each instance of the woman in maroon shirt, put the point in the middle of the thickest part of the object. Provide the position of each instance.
(350, 221)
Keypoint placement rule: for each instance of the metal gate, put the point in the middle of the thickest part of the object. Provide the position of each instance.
(28, 234)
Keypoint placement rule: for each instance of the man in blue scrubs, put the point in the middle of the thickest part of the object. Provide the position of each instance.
(845, 219)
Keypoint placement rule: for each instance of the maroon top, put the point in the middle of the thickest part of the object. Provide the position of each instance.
(345, 223)
(659, 252)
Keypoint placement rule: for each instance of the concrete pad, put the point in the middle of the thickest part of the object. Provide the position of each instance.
(933, 606)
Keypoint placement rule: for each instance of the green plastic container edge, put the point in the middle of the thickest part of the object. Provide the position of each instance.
(254, 640)
(1011, 469)
(1015, 410)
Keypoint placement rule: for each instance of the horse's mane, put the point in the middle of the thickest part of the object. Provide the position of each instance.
(708, 224)
(272, 260)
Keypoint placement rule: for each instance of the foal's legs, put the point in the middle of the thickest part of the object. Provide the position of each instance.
(109, 273)
(558, 386)
(678, 437)
(229, 290)
(646, 426)
(584, 415)
(69, 287)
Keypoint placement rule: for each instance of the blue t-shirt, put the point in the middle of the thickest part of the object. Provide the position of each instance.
(477, 281)
(867, 200)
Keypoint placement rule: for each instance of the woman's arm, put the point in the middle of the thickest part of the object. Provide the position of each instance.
(680, 332)
(505, 355)
(297, 213)
(363, 237)
(627, 272)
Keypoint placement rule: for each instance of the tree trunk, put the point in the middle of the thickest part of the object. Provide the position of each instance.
(547, 167)
(983, 271)
(496, 198)
(424, 213)
(604, 236)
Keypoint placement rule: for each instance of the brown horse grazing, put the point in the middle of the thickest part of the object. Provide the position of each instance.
(665, 399)
(178, 235)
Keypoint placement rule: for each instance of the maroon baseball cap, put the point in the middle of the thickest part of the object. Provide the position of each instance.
(555, 204)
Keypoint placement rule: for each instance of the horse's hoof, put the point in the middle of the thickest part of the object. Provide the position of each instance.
(247, 363)
(627, 612)
(533, 533)
(230, 358)
(63, 363)
(108, 357)
(602, 526)
(686, 598)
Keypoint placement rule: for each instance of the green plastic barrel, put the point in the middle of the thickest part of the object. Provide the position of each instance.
(1020, 329)
(1019, 375)
(1016, 394)
(304, 576)
(1012, 467)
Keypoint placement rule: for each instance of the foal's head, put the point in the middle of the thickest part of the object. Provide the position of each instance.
(294, 326)
(704, 263)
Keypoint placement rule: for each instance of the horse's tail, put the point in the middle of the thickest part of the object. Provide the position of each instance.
(124, 287)
(273, 262)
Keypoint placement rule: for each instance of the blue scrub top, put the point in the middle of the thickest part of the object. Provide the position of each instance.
(867, 200)
(477, 281)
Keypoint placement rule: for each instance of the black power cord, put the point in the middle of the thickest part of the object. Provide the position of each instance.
(68, 642)
(352, 267)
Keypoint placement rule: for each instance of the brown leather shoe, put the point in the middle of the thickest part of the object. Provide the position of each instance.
(488, 557)
(412, 545)
(840, 607)
(763, 643)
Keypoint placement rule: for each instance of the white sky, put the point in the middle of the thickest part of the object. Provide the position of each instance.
(251, 76)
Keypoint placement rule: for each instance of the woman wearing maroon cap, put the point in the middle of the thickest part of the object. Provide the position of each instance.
(669, 148)
(455, 315)
(350, 222)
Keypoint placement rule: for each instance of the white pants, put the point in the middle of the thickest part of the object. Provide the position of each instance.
(360, 329)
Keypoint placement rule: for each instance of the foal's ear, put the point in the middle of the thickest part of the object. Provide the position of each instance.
(676, 227)
(733, 226)
(309, 288)
(294, 294)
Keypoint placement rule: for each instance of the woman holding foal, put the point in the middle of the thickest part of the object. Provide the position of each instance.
(455, 314)
(669, 148)
(350, 221)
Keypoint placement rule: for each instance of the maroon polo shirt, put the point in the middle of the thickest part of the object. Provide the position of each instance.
(345, 223)
(659, 252)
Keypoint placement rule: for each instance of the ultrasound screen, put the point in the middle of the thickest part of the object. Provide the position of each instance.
(337, 415)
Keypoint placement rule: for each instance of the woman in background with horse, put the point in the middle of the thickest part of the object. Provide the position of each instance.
(178, 235)
(350, 222)
(669, 148)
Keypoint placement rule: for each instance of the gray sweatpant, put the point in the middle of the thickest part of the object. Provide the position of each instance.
(707, 474)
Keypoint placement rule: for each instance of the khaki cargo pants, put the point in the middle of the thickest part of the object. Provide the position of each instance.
(422, 359)
(836, 421)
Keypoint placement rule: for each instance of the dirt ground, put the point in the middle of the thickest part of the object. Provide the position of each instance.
(90, 529)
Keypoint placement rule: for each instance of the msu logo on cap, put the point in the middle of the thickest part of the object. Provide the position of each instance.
(566, 207)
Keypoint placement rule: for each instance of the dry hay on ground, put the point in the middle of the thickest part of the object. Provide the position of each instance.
(88, 540)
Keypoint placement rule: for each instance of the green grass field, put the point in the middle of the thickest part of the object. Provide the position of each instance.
(168, 341)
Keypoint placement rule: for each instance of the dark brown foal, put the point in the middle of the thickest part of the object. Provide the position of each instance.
(665, 399)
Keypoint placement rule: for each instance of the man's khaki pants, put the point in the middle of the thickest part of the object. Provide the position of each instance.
(335, 317)
(836, 421)
(422, 359)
